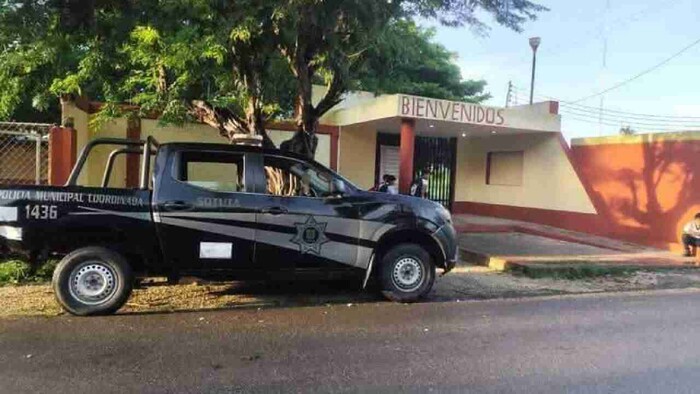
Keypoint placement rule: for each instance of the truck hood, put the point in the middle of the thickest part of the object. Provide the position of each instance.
(422, 208)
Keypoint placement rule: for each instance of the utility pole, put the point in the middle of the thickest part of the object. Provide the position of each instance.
(534, 43)
(510, 91)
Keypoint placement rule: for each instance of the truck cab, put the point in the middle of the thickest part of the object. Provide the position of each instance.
(223, 212)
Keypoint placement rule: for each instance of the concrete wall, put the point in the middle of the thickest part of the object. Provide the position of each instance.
(94, 168)
(549, 181)
(356, 154)
(646, 186)
(192, 132)
(80, 120)
(98, 158)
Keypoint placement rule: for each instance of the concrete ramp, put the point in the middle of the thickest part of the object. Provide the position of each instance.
(504, 244)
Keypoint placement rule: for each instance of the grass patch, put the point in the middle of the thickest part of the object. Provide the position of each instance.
(572, 271)
(13, 272)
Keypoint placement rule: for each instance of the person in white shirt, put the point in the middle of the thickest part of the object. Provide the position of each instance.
(392, 186)
(691, 236)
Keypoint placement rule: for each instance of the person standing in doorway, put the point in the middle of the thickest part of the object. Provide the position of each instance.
(389, 185)
(691, 236)
(378, 187)
(419, 188)
(392, 186)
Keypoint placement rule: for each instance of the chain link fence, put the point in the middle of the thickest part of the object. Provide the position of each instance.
(24, 153)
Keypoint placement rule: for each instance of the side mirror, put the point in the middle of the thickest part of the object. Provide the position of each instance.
(337, 187)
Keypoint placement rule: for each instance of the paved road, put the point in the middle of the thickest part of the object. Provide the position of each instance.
(644, 342)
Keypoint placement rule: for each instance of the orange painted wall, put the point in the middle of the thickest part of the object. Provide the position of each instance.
(645, 189)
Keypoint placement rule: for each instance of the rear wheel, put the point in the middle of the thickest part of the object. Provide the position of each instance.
(92, 281)
(407, 273)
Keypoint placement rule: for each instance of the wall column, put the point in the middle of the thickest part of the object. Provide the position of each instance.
(408, 136)
(133, 161)
(62, 154)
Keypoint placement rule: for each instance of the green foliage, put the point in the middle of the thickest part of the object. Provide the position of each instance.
(18, 271)
(509, 13)
(627, 130)
(13, 271)
(408, 60)
(572, 271)
(250, 58)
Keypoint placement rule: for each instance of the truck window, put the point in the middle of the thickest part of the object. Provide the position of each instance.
(217, 171)
(289, 177)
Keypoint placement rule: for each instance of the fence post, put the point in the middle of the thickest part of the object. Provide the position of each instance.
(62, 154)
(37, 159)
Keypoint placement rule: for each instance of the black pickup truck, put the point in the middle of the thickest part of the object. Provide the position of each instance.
(221, 212)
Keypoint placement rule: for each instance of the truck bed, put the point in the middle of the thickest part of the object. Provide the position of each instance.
(51, 220)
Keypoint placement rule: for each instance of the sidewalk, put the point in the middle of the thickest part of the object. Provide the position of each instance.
(503, 244)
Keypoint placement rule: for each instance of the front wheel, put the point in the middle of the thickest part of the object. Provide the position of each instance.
(407, 273)
(92, 281)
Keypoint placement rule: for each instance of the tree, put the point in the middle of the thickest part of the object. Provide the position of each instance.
(330, 40)
(221, 67)
(627, 130)
(407, 60)
(232, 65)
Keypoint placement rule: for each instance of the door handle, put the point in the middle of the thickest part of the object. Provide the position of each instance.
(274, 210)
(176, 206)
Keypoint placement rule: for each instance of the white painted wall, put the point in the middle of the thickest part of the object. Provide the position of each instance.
(548, 181)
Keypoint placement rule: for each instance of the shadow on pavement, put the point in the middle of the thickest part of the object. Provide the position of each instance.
(216, 296)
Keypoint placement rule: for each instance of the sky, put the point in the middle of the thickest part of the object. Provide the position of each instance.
(639, 35)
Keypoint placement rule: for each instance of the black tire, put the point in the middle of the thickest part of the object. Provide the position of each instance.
(92, 281)
(405, 259)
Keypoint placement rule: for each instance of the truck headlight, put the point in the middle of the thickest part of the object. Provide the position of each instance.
(444, 214)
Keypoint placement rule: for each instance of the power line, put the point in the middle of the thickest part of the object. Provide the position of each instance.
(592, 121)
(656, 123)
(592, 116)
(631, 118)
(641, 74)
(624, 114)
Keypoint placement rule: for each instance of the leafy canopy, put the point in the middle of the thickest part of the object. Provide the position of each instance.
(407, 60)
(231, 64)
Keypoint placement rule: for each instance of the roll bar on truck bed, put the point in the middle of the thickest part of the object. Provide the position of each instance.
(144, 148)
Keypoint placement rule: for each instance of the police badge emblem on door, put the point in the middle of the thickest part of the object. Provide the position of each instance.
(310, 236)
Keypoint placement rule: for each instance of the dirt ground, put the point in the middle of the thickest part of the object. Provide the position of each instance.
(464, 283)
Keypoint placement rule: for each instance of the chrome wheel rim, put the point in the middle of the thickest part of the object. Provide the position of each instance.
(93, 283)
(408, 274)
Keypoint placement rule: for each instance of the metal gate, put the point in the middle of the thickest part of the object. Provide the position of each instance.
(24, 153)
(438, 156)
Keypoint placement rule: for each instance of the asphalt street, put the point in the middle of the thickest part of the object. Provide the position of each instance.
(624, 342)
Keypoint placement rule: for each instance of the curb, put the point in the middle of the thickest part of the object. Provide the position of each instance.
(502, 264)
(495, 263)
(517, 228)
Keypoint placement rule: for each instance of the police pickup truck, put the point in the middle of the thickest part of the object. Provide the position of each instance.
(221, 212)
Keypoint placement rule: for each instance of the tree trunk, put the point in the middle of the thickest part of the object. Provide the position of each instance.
(229, 124)
(302, 143)
(76, 14)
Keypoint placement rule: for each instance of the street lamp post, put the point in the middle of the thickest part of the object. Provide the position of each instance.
(534, 43)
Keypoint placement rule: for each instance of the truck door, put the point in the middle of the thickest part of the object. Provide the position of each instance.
(300, 224)
(205, 217)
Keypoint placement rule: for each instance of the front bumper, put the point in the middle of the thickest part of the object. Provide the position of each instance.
(446, 236)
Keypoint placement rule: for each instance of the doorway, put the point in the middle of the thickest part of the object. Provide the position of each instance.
(436, 154)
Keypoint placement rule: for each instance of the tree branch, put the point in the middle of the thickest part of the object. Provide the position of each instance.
(333, 95)
(227, 122)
